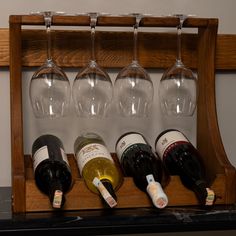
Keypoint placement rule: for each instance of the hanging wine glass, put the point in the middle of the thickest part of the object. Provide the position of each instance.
(92, 90)
(133, 88)
(49, 86)
(178, 85)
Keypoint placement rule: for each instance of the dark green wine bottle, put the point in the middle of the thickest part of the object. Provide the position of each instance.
(51, 168)
(139, 161)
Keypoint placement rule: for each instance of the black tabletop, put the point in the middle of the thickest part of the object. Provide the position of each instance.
(114, 221)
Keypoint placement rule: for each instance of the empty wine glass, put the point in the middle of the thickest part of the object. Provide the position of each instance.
(178, 85)
(133, 88)
(49, 86)
(92, 90)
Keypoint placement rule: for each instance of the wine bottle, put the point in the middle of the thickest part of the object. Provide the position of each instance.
(97, 167)
(181, 158)
(139, 161)
(51, 168)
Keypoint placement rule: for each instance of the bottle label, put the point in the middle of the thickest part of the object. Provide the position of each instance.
(91, 151)
(128, 141)
(64, 156)
(167, 141)
(42, 154)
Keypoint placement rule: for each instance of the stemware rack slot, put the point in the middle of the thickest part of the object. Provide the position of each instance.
(156, 50)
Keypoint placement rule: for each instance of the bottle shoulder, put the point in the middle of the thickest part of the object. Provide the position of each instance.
(87, 138)
(127, 134)
(46, 140)
(163, 133)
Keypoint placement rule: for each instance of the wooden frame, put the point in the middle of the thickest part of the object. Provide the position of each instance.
(26, 197)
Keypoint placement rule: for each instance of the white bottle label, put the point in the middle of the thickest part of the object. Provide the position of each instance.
(64, 156)
(167, 140)
(128, 141)
(91, 151)
(42, 154)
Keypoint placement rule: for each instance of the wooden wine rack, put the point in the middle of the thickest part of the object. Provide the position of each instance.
(114, 50)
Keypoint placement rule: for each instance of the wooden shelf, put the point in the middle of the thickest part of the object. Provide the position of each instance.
(27, 48)
(114, 49)
(128, 195)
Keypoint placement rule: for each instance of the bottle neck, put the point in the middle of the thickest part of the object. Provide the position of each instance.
(205, 195)
(108, 185)
(111, 200)
(56, 195)
(156, 192)
(107, 192)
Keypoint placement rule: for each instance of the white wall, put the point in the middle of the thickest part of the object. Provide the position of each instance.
(224, 10)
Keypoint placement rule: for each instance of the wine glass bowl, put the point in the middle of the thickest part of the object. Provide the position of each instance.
(49, 91)
(133, 87)
(133, 90)
(178, 84)
(177, 91)
(49, 88)
(92, 89)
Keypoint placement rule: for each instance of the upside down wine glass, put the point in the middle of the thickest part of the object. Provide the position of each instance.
(133, 88)
(92, 90)
(178, 85)
(49, 86)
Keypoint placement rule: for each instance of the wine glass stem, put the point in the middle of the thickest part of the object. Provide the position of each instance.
(179, 34)
(93, 21)
(135, 43)
(179, 29)
(136, 25)
(48, 22)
